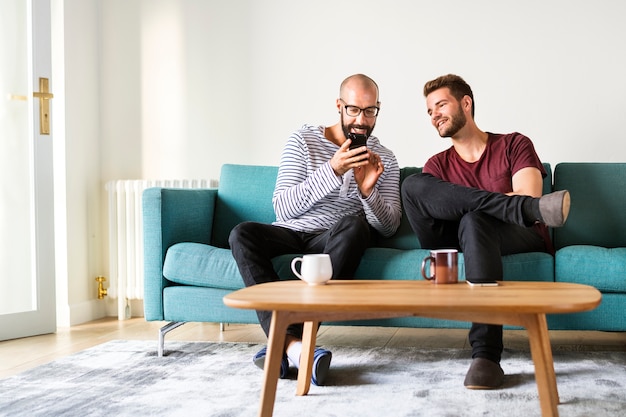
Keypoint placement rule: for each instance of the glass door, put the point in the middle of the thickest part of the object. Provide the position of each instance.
(27, 275)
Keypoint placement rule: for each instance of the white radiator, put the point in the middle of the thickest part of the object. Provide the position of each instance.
(126, 236)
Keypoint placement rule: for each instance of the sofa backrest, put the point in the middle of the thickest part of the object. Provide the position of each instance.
(598, 204)
(404, 238)
(547, 181)
(244, 194)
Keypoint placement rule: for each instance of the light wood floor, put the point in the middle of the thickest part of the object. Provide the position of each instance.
(21, 354)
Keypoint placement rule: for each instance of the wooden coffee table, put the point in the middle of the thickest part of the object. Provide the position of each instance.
(515, 303)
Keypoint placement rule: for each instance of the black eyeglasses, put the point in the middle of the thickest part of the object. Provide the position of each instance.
(354, 111)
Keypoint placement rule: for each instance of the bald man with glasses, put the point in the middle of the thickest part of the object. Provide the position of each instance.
(328, 198)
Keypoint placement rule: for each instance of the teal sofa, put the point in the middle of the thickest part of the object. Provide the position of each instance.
(189, 267)
(591, 247)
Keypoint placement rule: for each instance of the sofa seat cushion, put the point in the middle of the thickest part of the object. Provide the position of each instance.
(202, 265)
(388, 264)
(208, 266)
(530, 266)
(603, 268)
(377, 263)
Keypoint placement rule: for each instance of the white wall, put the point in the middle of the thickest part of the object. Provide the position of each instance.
(186, 86)
(76, 134)
(228, 81)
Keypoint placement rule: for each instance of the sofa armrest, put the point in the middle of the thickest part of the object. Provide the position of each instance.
(171, 216)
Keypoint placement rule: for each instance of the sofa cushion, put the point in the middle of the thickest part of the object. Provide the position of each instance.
(245, 193)
(598, 211)
(404, 238)
(202, 265)
(207, 266)
(387, 263)
(600, 267)
(609, 316)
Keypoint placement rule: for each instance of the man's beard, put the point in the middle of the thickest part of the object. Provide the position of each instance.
(347, 128)
(457, 121)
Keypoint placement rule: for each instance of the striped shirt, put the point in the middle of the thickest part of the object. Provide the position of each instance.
(310, 197)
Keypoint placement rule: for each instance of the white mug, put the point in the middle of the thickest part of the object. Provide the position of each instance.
(315, 269)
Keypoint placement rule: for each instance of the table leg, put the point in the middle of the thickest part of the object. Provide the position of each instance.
(541, 351)
(306, 358)
(275, 349)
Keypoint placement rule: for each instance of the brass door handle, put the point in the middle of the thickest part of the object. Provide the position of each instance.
(44, 97)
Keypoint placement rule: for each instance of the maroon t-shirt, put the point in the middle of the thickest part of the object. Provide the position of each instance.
(502, 158)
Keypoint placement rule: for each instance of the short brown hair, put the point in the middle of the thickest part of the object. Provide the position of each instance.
(457, 86)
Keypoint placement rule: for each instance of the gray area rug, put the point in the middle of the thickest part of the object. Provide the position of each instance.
(125, 378)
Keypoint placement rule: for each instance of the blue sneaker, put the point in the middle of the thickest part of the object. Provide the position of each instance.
(321, 363)
(259, 360)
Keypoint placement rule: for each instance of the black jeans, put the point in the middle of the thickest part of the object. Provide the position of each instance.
(481, 224)
(255, 244)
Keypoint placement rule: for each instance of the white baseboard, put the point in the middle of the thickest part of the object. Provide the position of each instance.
(81, 313)
(93, 310)
(134, 309)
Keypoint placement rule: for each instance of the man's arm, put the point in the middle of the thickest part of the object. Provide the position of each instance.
(526, 166)
(296, 189)
(527, 181)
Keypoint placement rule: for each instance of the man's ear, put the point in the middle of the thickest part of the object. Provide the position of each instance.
(466, 102)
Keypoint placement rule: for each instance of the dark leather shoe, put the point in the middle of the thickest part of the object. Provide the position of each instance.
(554, 208)
(484, 374)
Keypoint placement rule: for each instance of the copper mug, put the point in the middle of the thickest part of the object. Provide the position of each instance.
(444, 268)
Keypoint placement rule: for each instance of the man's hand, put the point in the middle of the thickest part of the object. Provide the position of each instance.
(366, 165)
(345, 159)
(367, 175)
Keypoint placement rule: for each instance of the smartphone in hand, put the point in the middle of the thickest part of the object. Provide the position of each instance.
(357, 139)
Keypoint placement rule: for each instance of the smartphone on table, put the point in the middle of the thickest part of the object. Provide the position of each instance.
(482, 283)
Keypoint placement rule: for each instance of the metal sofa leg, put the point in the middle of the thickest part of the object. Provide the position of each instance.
(163, 331)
